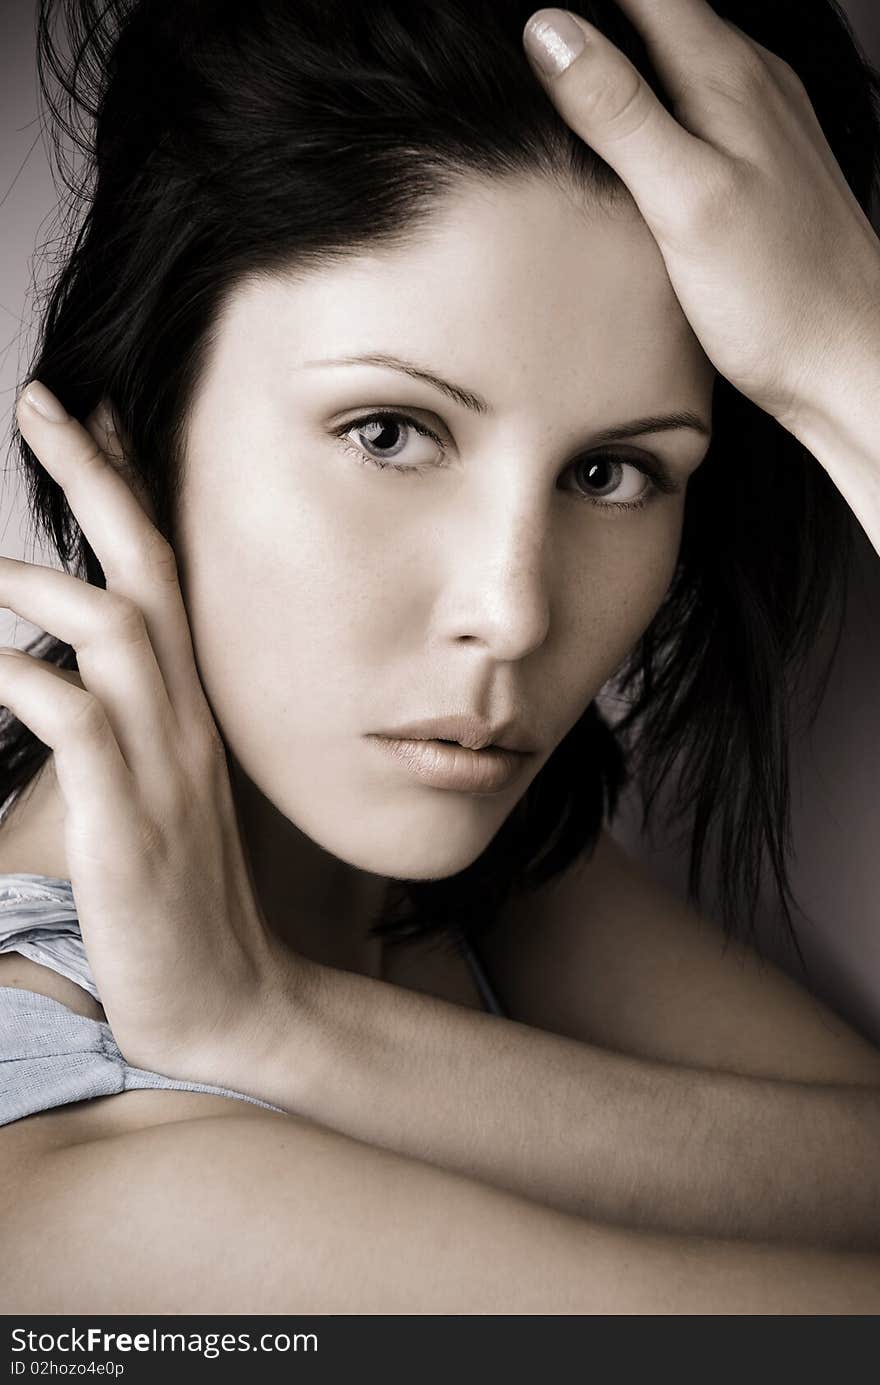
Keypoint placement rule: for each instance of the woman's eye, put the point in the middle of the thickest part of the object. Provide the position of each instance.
(610, 480)
(395, 440)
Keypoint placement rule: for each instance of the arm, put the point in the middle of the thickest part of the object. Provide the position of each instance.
(783, 1145)
(268, 1214)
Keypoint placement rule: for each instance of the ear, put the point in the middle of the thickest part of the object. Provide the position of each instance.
(103, 425)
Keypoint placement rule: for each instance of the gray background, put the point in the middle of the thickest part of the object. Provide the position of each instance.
(836, 769)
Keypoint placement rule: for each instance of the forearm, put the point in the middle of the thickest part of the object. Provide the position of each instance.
(580, 1129)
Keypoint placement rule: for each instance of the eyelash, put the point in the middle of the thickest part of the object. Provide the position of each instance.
(656, 473)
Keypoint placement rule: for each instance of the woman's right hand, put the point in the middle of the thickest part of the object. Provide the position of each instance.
(173, 931)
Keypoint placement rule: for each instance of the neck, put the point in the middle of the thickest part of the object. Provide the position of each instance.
(320, 906)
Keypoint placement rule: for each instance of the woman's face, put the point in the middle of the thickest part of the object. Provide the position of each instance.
(496, 571)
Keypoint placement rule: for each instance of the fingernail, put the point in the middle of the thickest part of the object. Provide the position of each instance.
(554, 39)
(43, 402)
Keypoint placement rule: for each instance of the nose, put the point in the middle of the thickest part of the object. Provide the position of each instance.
(497, 588)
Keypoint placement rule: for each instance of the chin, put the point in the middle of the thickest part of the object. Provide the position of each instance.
(405, 847)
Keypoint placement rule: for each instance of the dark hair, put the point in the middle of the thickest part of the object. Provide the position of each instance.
(218, 138)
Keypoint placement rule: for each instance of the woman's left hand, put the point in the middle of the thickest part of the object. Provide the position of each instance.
(776, 266)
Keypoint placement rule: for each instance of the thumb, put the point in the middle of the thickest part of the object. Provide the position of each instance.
(606, 101)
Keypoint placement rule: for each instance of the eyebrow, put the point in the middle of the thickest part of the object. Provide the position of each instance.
(475, 402)
(651, 423)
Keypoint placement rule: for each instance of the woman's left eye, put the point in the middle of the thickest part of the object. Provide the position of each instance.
(392, 439)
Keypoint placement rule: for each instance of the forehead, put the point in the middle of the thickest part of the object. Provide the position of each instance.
(515, 287)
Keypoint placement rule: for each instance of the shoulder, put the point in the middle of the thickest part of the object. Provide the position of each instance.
(602, 930)
(609, 955)
(181, 1190)
(549, 947)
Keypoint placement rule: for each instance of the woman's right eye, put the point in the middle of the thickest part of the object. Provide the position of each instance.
(392, 440)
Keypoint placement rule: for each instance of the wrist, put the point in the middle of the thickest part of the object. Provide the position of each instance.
(839, 424)
(839, 399)
(271, 1050)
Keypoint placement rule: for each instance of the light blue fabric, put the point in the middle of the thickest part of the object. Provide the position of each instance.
(49, 1055)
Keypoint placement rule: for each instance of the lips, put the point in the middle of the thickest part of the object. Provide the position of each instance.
(442, 764)
(468, 730)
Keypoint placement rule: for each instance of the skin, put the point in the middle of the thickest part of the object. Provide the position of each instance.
(365, 598)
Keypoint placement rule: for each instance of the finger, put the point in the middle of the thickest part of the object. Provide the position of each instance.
(137, 560)
(606, 101)
(682, 37)
(116, 660)
(92, 775)
(784, 73)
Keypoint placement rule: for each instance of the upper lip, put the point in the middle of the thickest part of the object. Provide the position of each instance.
(473, 732)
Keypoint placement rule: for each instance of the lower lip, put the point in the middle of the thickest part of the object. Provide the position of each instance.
(445, 766)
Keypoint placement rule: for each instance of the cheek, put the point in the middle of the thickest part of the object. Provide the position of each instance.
(286, 578)
(651, 565)
(620, 592)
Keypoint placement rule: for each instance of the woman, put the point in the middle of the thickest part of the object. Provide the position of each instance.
(402, 354)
